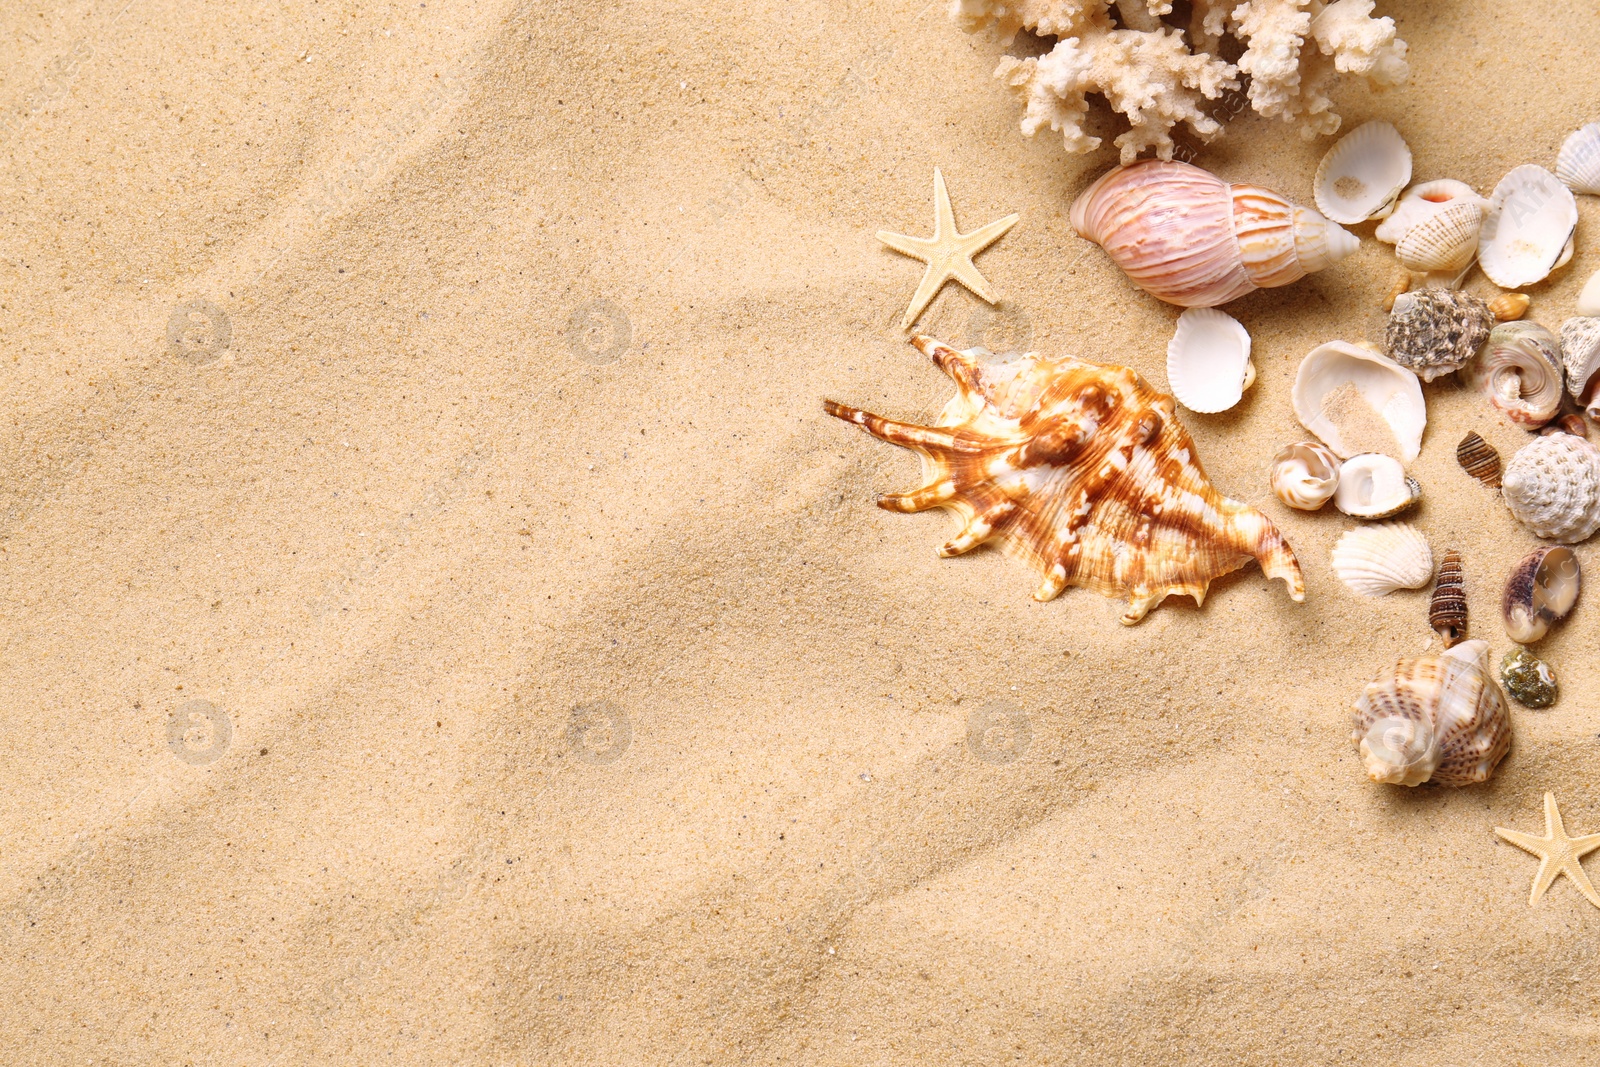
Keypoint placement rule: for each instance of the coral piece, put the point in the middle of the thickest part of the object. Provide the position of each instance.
(1447, 613)
(1082, 470)
(1146, 69)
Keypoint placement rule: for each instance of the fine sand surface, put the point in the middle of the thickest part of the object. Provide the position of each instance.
(493, 655)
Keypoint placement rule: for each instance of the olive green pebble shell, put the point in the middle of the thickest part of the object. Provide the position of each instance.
(1528, 679)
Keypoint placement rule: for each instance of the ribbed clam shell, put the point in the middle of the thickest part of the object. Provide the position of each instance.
(1580, 354)
(1187, 237)
(1434, 718)
(1374, 486)
(1519, 370)
(1579, 162)
(1552, 486)
(1445, 241)
(1358, 400)
(1479, 459)
(1528, 230)
(1305, 475)
(1363, 174)
(1421, 202)
(1447, 611)
(1374, 560)
(1435, 331)
(1541, 590)
(1208, 360)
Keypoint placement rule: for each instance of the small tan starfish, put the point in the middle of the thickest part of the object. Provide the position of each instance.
(1558, 854)
(948, 253)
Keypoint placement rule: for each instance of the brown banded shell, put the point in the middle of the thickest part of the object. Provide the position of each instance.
(1479, 459)
(1542, 589)
(1435, 331)
(1447, 614)
(1576, 425)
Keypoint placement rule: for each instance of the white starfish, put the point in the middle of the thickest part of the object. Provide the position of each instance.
(947, 253)
(1558, 854)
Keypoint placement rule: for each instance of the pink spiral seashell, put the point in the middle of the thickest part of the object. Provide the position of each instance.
(1188, 237)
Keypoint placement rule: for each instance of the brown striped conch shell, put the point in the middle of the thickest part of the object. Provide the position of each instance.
(1519, 370)
(1434, 719)
(1185, 236)
(1082, 470)
(1479, 459)
(1447, 612)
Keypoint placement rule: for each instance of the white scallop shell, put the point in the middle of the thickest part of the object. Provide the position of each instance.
(1519, 370)
(1552, 486)
(1422, 201)
(1339, 386)
(1588, 304)
(1305, 475)
(1447, 240)
(1374, 486)
(1579, 162)
(1374, 560)
(1528, 230)
(1580, 354)
(1363, 174)
(1208, 360)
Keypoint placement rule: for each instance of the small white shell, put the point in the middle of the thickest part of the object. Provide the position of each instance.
(1374, 560)
(1580, 354)
(1588, 304)
(1374, 486)
(1423, 201)
(1363, 175)
(1208, 360)
(1552, 486)
(1305, 475)
(1528, 230)
(1446, 240)
(1519, 370)
(1579, 162)
(1348, 396)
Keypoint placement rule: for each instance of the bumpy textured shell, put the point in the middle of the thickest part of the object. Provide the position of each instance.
(1447, 612)
(1580, 352)
(1434, 718)
(1305, 475)
(1541, 591)
(1378, 559)
(1529, 679)
(1552, 486)
(1185, 236)
(1519, 370)
(1479, 459)
(1082, 470)
(1435, 331)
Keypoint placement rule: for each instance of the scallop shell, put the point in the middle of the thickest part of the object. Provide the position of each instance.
(1082, 470)
(1374, 560)
(1208, 360)
(1435, 331)
(1305, 475)
(1447, 611)
(1479, 459)
(1422, 201)
(1552, 486)
(1445, 241)
(1434, 719)
(1519, 370)
(1363, 174)
(1185, 236)
(1579, 162)
(1374, 486)
(1541, 590)
(1580, 353)
(1358, 400)
(1528, 230)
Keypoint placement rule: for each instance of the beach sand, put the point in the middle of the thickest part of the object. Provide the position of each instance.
(492, 653)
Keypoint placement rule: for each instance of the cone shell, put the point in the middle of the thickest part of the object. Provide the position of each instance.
(1358, 400)
(1552, 486)
(1580, 353)
(1447, 612)
(1305, 475)
(1187, 237)
(1422, 202)
(1479, 459)
(1375, 560)
(1579, 162)
(1082, 470)
(1363, 174)
(1439, 719)
(1519, 370)
(1541, 590)
(1528, 230)
(1435, 331)
(1208, 360)
(1445, 241)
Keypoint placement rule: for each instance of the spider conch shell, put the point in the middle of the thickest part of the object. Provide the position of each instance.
(1552, 486)
(1520, 372)
(1185, 236)
(1436, 718)
(1082, 470)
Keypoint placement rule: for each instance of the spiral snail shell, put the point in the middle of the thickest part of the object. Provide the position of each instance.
(1185, 236)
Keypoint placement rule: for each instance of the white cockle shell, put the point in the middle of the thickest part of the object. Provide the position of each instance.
(1363, 174)
(1374, 486)
(1580, 355)
(1552, 486)
(1347, 395)
(1528, 230)
(1208, 360)
(1422, 201)
(1305, 475)
(1519, 370)
(1439, 718)
(1579, 162)
(1378, 559)
(1447, 240)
